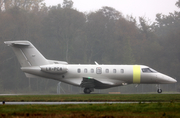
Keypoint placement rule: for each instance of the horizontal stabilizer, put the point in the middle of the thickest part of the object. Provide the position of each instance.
(14, 43)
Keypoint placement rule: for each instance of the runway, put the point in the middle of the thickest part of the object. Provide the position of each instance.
(62, 103)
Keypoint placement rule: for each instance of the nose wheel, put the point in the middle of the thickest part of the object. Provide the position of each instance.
(159, 89)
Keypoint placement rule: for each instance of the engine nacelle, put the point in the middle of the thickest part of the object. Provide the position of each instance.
(54, 68)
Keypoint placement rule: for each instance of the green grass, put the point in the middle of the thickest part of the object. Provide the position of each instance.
(167, 105)
(169, 110)
(95, 97)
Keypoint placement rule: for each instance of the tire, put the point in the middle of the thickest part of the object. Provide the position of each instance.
(87, 91)
(159, 90)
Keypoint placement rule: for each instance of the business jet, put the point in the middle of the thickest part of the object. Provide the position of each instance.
(89, 77)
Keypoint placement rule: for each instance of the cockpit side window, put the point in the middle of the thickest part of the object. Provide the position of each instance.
(148, 70)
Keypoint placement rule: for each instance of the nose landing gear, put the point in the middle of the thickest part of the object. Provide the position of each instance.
(159, 89)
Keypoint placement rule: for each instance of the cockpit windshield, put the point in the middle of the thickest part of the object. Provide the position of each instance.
(148, 70)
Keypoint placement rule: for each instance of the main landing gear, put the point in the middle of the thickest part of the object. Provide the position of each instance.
(88, 84)
(88, 90)
(159, 89)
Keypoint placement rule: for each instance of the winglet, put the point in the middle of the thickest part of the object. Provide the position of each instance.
(96, 63)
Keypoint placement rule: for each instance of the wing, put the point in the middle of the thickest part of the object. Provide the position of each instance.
(89, 82)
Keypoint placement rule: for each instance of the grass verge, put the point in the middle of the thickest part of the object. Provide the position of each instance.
(94, 97)
(140, 110)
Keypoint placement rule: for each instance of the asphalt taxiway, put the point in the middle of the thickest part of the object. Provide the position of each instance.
(61, 103)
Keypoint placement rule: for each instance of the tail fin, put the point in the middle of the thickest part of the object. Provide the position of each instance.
(27, 54)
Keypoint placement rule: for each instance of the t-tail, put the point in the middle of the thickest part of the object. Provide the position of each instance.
(27, 54)
(30, 58)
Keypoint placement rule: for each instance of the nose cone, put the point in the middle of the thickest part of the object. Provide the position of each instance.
(164, 79)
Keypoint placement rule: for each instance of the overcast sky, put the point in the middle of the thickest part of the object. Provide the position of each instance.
(136, 8)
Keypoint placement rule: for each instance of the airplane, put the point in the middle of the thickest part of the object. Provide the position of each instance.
(87, 76)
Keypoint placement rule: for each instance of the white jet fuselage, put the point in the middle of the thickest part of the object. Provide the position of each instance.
(112, 75)
(34, 64)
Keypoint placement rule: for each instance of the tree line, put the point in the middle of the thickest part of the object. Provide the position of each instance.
(63, 33)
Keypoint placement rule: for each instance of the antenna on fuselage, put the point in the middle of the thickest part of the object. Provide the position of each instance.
(96, 63)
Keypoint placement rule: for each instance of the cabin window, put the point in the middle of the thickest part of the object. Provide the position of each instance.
(122, 70)
(114, 70)
(85, 70)
(98, 70)
(79, 70)
(107, 70)
(92, 70)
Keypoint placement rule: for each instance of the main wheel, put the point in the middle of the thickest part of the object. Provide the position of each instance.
(159, 90)
(87, 91)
